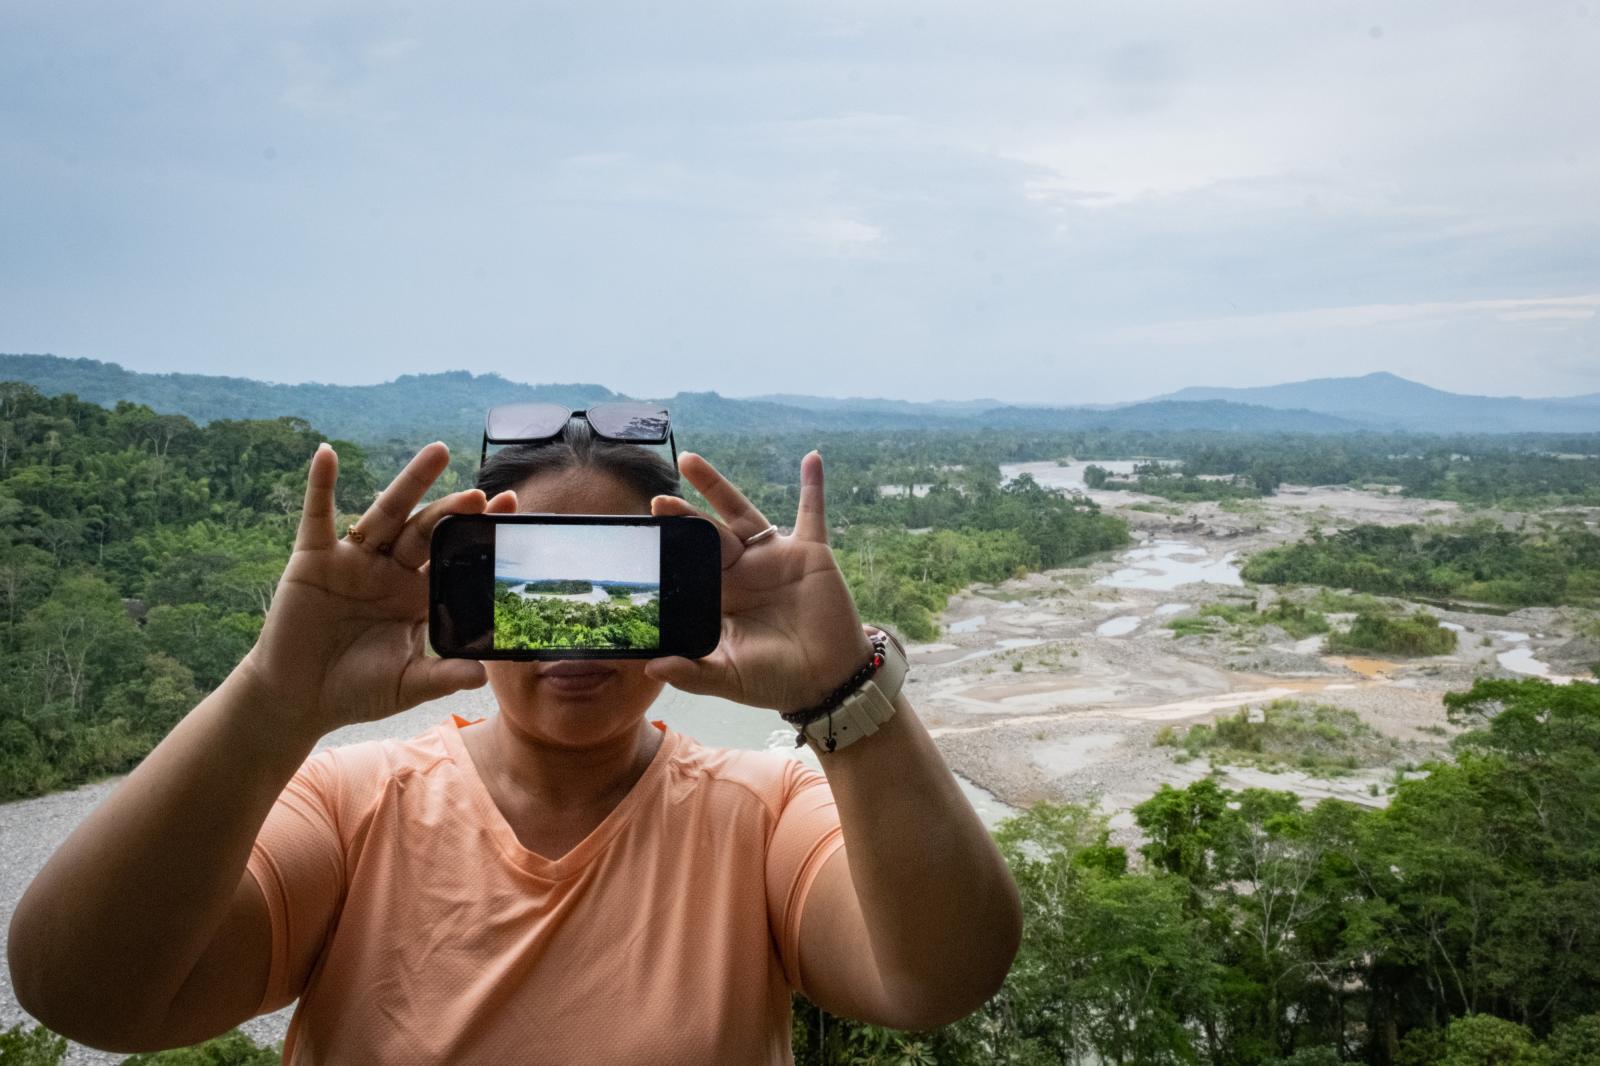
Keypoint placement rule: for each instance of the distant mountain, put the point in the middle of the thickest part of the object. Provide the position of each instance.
(1385, 401)
(918, 408)
(858, 403)
(453, 401)
(1172, 415)
(710, 411)
(450, 405)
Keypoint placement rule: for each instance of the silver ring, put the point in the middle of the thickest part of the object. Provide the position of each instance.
(756, 538)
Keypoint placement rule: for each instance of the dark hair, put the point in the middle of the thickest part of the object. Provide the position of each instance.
(634, 465)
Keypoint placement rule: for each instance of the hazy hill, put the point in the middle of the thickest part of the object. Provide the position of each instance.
(1172, 415)
(880, 404)
(455, 400)
(1386, 401)
(451, 405)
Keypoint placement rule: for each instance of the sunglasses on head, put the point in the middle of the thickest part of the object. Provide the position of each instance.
(529, 423)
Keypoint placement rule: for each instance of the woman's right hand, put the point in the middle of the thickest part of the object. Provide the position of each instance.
(345, 639)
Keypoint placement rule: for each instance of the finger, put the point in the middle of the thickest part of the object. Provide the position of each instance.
(702, 677)
(316, 516)
(732, 548)
(740, 514)
(811, 521)
(430, 679)
(392, 509)
(411, 547)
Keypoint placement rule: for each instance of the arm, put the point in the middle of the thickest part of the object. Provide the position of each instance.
(143, 930)
(919, 883)
(105, 937)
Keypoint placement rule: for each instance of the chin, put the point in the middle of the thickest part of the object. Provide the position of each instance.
(573, 703)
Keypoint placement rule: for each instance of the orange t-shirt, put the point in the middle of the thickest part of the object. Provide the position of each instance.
(669, 935)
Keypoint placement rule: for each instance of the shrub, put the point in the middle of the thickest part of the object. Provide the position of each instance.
(1308, 1056)
(1417, 634)
(1576, 1043)
(1313, 737)
(37, 1047)
(1299, 622)
(1190, 626)
(1474, 1040)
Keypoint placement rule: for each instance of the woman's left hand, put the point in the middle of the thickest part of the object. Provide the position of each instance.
(790, 632)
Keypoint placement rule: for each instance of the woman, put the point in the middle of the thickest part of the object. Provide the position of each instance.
(561, 882)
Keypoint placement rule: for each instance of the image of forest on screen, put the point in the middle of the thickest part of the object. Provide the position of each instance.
(577, 586)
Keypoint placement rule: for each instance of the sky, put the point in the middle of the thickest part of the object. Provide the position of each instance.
(1047, 202)
(598, 553)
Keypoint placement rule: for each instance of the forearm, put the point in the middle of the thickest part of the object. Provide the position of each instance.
(119, 915)
(940, 907)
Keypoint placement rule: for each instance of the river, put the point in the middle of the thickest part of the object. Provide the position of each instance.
(1068, 476)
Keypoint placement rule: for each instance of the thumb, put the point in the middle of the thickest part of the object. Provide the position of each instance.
(429, 679)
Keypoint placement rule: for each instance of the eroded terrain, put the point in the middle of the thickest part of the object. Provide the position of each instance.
(1057, 685)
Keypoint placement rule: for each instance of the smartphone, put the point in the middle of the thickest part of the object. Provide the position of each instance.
(563, 586)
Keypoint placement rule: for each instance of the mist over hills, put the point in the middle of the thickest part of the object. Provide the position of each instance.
(451, 400)
(1385, 401)
(877, 404)
(451, 405)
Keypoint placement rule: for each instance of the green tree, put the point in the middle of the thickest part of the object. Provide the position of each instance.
(1575, 1043)
(36, 1047)
(1475, 1040)
(77, 643)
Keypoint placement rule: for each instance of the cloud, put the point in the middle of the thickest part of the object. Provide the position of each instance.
(838, 234)
(1577, 314)
(1367, 315)
(1031, 200)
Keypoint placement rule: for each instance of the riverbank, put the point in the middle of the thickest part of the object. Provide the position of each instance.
(1055, 686)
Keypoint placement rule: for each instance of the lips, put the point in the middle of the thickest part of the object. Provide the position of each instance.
(575, 675)
(574, 667)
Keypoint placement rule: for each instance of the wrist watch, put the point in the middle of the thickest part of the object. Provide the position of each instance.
(865, 709)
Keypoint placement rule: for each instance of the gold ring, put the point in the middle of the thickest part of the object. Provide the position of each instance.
(354, 534)
(756, 538)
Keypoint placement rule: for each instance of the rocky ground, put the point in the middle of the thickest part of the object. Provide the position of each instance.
(1054, 686)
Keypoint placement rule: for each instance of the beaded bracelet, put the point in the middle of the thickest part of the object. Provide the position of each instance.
(806, 715)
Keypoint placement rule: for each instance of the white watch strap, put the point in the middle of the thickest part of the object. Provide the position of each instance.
(864, 710)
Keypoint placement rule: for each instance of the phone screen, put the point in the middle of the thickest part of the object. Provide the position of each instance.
(569, 586)
(557, 586)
